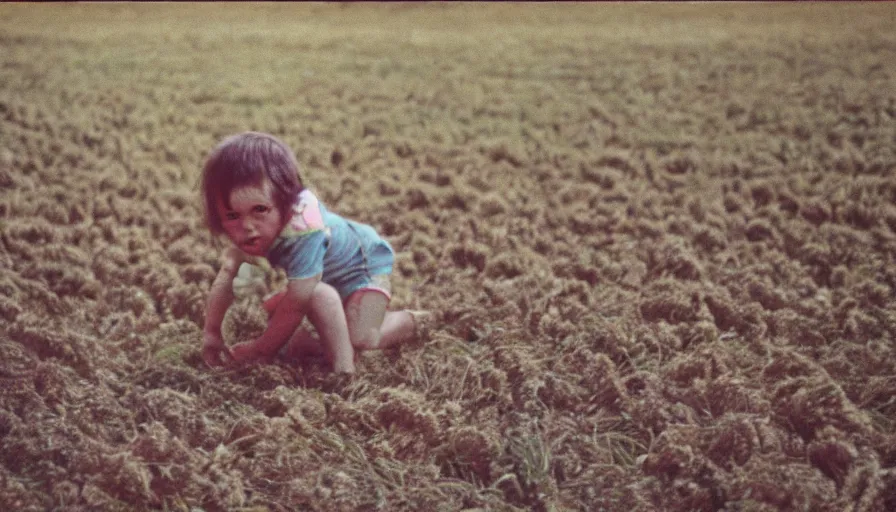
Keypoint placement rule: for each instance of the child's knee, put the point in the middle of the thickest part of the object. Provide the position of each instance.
(366, 340)
(325, 294)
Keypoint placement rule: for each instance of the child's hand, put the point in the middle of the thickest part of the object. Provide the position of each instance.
(214, 351)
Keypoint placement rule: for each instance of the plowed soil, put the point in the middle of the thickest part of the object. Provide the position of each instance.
(659, 240)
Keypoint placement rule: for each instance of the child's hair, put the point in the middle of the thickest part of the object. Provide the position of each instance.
(247, 159)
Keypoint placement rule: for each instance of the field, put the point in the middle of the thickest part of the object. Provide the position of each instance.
(659, 240)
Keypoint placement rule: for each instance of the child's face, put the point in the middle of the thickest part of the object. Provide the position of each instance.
(252, 222)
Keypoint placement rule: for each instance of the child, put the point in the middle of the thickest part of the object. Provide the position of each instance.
(338, 269)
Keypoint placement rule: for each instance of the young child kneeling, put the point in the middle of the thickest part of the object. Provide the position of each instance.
(338, 269)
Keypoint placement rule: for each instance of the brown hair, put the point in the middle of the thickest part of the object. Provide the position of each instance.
(247, 159)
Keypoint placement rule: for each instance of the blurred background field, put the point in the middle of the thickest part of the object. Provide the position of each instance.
(659, 239)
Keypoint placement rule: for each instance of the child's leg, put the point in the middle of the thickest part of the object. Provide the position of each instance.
(328, 317)
(302, 343)
(371, 326)
(271, 302)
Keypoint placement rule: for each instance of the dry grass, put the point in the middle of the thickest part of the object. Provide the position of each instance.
(659, 239)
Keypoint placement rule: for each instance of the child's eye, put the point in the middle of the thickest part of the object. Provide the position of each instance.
(231, 215)
(260, 209)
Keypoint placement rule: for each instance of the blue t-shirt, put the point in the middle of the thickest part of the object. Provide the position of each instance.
(316, 241)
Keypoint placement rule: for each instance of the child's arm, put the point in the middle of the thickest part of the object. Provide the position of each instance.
(220, 297)
(290, 311)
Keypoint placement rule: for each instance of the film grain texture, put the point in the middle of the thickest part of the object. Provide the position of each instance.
(659, 242)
